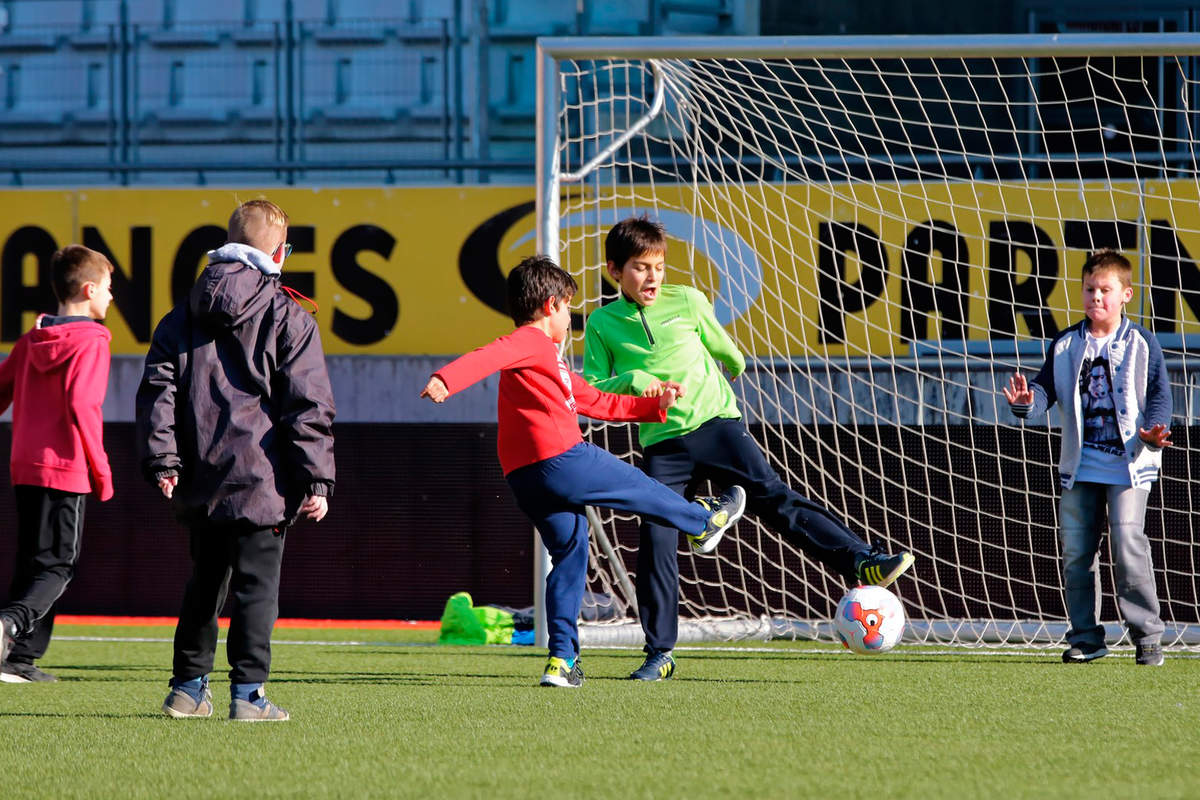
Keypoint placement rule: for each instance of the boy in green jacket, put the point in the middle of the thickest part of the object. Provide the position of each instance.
(657, 337)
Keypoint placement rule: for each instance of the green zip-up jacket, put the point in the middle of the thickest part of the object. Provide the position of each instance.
(627, 346)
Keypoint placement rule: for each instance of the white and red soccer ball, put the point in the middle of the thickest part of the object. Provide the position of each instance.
(869, 619)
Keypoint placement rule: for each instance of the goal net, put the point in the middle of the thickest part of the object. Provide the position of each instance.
(889, 228)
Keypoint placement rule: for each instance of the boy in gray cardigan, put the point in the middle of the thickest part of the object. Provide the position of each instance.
(1110, 382)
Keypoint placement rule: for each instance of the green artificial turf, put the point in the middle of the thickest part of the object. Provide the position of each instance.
(388, 714)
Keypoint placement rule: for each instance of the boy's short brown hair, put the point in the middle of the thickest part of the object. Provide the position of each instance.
(633, 237)
(1108, 258)
(73, 266)
(534, 281)
(253, 219)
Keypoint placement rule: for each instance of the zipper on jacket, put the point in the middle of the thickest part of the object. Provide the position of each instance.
(646, 326)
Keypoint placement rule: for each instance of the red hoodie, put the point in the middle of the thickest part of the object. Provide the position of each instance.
(55, 378)
(540, 398)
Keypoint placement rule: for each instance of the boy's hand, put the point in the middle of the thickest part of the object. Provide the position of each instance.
(658, 388)
(167, 485)
(1158, 435)
(315, 507)
(1018, 392)
(667, 398)
(435, 390)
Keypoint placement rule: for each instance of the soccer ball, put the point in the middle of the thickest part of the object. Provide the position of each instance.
(869, 619)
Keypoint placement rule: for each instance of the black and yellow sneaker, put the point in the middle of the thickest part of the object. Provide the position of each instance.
(658, 666)
(877, 568)
(563, 674)
(726, 510)
(1149, 655)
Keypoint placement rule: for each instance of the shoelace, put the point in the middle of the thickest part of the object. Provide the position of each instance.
(301, 299)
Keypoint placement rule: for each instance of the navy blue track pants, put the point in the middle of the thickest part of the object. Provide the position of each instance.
(723, 451)
(553, 494)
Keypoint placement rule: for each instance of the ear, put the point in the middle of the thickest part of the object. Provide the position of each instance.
(550, 305)
(614, 271)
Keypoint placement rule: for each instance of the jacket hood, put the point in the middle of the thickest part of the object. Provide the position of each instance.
(51, 347)
(231, 289)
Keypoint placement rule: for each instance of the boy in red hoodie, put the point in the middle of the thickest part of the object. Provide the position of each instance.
(552, 472)
(55, 379)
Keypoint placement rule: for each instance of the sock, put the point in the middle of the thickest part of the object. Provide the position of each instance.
(194, 688)
(250, 692)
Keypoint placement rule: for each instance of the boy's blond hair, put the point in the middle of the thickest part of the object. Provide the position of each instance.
(254, 221)
(72, 267)
(1109, 259)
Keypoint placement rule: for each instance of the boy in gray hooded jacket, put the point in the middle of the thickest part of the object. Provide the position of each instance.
(235, 416)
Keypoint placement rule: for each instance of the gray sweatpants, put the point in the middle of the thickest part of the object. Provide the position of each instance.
(1081, 513)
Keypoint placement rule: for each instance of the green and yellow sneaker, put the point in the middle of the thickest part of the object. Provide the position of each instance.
(563, 674)
(726, 510)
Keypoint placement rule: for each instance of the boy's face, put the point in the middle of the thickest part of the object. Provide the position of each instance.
(640, 277)
(1104, 297)
(99, 295)
(558, 311)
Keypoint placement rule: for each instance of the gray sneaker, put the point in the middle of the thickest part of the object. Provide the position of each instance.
(13, 672)
(6, 637)
(245, 711)
(181, 705)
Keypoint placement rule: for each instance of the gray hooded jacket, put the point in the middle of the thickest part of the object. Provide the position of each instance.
(235, 398)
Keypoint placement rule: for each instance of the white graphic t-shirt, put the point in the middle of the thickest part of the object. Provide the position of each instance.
(1102, 457)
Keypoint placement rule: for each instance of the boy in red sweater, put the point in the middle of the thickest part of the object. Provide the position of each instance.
(55, 379)
(553, 473)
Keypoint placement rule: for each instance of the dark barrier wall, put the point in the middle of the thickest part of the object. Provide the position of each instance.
(419, 512)
(422, 511)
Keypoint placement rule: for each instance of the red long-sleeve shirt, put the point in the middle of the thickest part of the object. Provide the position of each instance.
(55, 378)
(540, 397)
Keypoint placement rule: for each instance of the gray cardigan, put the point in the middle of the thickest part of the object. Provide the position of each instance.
(1141, 391)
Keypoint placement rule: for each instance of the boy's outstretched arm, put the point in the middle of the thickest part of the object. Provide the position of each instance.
(509, 351)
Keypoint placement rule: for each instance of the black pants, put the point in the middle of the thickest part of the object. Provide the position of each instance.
(49, 524)
(722, 450)
(228, 559)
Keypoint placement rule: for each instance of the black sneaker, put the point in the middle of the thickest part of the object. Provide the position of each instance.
(658, 666)
(1149, 655)
(725, 510)
(559, 673)
(877, 568)
(13, 672)
(1083, 653)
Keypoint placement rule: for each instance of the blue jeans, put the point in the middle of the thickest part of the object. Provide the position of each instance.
(553, 494)
(1081, 512)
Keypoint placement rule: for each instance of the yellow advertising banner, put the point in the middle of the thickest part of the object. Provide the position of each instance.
(845, 269)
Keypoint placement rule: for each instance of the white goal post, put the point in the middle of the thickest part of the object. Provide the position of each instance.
(889, 227)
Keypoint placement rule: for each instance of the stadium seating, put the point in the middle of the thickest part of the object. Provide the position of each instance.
(166, 81)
